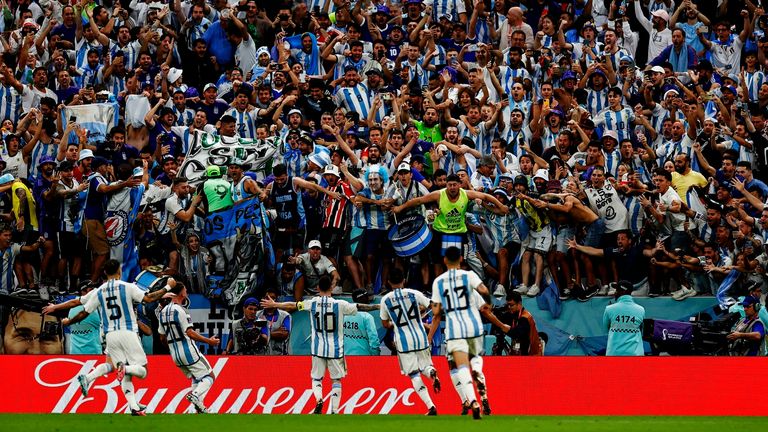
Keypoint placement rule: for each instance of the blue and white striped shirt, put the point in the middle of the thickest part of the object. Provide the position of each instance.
(245, 122)
(7, 259)
(327, 324)
(115, 301)
(174, 322)
(10, 103)
(456, 291)
(402, 308)
(371, 216)
(356, 99)
(618, 121)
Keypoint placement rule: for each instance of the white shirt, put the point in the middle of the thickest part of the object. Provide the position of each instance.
(676, 220)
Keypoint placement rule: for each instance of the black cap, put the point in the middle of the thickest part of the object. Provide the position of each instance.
(66, 165)
(705, 65)
(374, 71)
(521, 180)
(349, 68)
(226, 118)
(98, 161)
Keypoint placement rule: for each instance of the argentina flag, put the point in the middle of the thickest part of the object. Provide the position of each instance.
(122, 210)
(97, 119)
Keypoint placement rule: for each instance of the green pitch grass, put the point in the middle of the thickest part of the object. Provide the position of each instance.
(371, 423)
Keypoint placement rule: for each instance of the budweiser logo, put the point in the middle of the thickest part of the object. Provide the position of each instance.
(230, 393)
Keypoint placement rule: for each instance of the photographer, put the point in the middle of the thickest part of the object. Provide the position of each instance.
(522, 329)
(279, 327)
(249, 336)
(748, 334)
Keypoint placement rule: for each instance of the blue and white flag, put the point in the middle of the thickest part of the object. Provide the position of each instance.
(122, 211)
(97, 119)
(238, 245)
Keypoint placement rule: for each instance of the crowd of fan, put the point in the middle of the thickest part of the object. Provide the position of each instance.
(605, 170)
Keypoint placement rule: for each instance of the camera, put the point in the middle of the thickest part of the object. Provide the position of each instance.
(250, 340)
(284, 17)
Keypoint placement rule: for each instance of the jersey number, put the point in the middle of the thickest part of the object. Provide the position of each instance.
(401, 319)
(114, 308)
(325, 322)
(625, 319)
(462, 299)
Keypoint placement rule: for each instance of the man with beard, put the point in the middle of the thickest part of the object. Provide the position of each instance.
(684, 178)
(726, 53)
(449, 227)
(356, 60)
(660, 34)
(549, 126)
(160, 129)
(336, 214)
(429, 126)
(596, 83)
(178, 211)
(353, 94)
(516, 132)
(472, 125)
(37, 90)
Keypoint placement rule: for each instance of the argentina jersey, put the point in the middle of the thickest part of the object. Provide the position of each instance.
(115, 300)
(754, 80)
(455, 291)
(245, 122)
(402, 308)
(354, 99)
(174, 322)
(7, 259)
(10, 103)
(327, 323)
(618, 121)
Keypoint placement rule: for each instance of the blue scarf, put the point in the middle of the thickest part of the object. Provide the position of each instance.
(679, 61)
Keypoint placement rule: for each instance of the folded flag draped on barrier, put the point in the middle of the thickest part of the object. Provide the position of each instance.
(97, 118)
(122, 211)
(236, 241)
(207, 149)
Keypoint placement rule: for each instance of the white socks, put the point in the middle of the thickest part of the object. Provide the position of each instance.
(202, 387)
(98, 371)
(317, 389)
(421, 390)
(465, 384)
(137, 371)
(127, 385)
(335, 397)
(457, 384)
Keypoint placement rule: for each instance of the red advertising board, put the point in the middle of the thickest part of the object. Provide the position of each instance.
(517, 386)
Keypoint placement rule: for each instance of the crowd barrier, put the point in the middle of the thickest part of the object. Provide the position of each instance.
(516, 386)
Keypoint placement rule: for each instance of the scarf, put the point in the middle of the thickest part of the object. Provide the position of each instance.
(313, 67)
(679, 61)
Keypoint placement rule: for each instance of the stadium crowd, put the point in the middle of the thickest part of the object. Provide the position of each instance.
(564, 144)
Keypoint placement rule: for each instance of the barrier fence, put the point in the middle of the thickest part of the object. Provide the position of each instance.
(516, 386)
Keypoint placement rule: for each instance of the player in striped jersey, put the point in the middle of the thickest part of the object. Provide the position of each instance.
(454, 293)
(401, 311)
(176, 330)
(327, 329)
(115, 301)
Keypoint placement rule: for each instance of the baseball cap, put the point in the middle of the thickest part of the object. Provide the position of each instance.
(6, 178)
(657, 69)
(731, 89)
(521, 180)
(210, 86)
(381, 9)
(704, 65)
(213, 171)
(138, 172)
(749, 301)
(332, 169)
(670, 91)
(295, 111)
(250, 301)
(404, 167)
(360, 296)
(501, 191)
(314, 244)
(622, 285)
(661, 13)
(167, 158)
(568, 75)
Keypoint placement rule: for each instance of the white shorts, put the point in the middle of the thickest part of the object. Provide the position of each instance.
(337, 367)
(414, 361)
(540, 241)
(125, 347)
(197, 370)
(471, 346)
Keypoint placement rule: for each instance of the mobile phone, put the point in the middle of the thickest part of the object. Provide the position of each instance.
(302, 77)
(72, 119)
(704, 29)
(273, 66)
